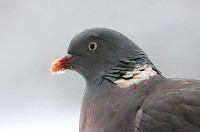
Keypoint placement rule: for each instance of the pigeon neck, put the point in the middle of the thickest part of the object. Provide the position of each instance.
(131, 70)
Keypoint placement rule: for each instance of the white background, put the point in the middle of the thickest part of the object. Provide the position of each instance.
(35, 32)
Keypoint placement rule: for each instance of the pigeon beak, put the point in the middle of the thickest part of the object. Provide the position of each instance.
(60, 65)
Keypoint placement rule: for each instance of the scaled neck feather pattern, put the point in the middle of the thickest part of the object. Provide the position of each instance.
(131, 70)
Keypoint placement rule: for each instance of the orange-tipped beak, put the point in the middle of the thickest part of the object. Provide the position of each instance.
(59, 65)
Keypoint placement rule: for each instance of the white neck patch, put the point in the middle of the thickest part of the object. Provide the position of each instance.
(140, 73)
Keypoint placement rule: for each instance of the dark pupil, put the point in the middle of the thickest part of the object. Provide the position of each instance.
(92, 46)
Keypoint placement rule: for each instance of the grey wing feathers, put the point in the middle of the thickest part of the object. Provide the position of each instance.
(174, 106)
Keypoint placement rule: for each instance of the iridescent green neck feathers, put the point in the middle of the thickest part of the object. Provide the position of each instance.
(131, 70)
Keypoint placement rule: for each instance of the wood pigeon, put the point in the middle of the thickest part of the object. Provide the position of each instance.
(124, 91)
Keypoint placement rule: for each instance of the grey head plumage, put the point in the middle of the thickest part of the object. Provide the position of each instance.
(105, 54)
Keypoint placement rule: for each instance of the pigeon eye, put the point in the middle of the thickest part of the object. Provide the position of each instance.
(92, 46)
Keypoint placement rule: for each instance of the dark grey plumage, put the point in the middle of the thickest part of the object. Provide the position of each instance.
(125, 92)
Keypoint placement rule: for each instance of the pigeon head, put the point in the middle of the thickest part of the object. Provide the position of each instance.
(102, 54)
